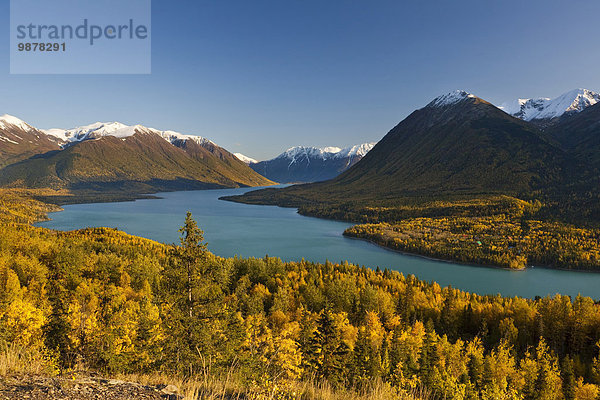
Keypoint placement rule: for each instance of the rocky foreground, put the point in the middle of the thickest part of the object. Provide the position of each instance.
(82, 388)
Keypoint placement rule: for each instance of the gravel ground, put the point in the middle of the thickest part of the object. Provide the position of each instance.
(84, 388)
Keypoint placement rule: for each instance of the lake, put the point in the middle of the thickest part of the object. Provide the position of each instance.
(249, 230)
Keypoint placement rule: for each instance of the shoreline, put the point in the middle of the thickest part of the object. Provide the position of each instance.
(472, 264)
(405, 253)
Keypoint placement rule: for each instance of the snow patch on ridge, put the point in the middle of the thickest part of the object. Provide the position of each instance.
(100, 129)
(451, 98)
(172, 136)
(7, 121)
(92, 131)
(359, 150)
(245, 159)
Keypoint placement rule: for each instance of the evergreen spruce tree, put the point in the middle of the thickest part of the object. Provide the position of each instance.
(200, 323)
(57, 329)
(327, 353)
(361, 362)
(429, 353)
(568, 378)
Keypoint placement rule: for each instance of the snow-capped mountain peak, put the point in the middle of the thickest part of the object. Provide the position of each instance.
(7, 121)
(296, 152)
(172, 136)
(450, 98)
(325, 153)
(525, 108)
(116, 129)
(299, 153)
(571, 102)
(245, 159)
(311, 164)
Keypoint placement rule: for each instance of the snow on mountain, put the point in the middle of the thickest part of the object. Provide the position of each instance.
(172, 136)
(245, 159)
(544, 108)
(7, 121)
(359, 150)
(525, 109)
(311, 164)
(116, 129)
(59, 134)
(93, 131)
(297, 152)
(450, 98)
(326, 153)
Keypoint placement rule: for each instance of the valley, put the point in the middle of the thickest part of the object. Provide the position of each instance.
(282, 303)
(290, 200)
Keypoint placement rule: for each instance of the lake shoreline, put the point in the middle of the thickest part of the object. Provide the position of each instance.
(240, 200)
(405, 253)
(549, 267)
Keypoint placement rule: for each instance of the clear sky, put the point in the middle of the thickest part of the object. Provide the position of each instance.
(260, 76)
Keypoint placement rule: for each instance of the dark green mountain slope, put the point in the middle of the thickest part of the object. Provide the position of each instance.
(457, 145)
(579, 197)
(580, 135)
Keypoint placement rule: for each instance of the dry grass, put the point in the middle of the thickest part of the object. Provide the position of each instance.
(17, 360)
(230, 387)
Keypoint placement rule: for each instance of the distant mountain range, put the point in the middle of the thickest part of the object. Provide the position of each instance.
(457, 144)
(309, 164)
(116, 157)
(460, 144)
(543, 111)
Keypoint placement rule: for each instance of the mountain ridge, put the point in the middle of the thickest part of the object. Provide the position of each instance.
(19, 140)
(116, 129)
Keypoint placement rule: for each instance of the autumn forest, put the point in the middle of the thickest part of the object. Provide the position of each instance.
(111, 302)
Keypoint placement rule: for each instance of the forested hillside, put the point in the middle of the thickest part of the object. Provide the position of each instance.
(111, 302)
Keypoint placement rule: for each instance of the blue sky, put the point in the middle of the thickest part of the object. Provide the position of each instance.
(259, 76)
